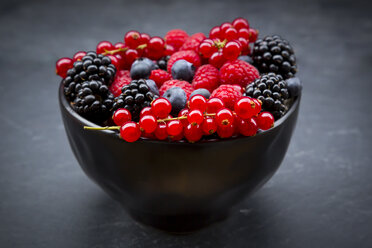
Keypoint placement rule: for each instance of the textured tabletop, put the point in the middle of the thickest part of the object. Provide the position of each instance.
(321, 196)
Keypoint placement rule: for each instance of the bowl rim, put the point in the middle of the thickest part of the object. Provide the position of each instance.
(84, 122)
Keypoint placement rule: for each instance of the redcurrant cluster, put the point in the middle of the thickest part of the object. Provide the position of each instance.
(228, 41)
(202, 117)
(123, 54)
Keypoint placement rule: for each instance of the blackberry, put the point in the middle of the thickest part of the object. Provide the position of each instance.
(134, 97)
(163, 62)
(272, 91)
(274, 54)
(90, 67)
(93, 100)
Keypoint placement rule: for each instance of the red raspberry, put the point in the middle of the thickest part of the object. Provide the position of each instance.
(122, 78)
(160, 76)
(193, 42)
(229, 94)
(176, 38)
(238, 72)
(186, 86)
(190, 56)
(207, 77)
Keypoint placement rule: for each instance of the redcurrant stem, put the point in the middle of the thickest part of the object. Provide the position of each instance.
(112, 52)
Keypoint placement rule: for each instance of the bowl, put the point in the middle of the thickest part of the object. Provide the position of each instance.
(178, 186)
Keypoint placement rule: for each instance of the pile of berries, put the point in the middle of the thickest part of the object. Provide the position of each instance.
(184, 87)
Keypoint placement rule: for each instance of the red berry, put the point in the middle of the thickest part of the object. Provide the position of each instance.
(231, 34)
(195, 117)
(156, 44)
(224, 26)
(62, 66)
(240, 23)
(169, 50)
(130, 56)
(206, 49)
(206, 77)
(148, 123)
(174, 127)
(231, 50)
(245, 108)
(229, 94)
(244, 33)
(257, 107)
(115, 61)
(214, 104)
(248, 127)
(132, 39)
(145, 111)
(215, 33)
(209, 126)
(224, 117)
(160, 76)
(78, 56)
(121, 116)
(198, 102)
(176, 38)
(161, 107)
(130, 131)
(225, 131)
(104, 46)
(217, 59)
(193, 133)
(244, 46)
(144, 39)
(122, 46)
(177, 137)
(253, 34)
(265, 120)
(184, 113)
(161, 131)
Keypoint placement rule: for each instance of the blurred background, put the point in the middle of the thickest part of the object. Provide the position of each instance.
(321, 196)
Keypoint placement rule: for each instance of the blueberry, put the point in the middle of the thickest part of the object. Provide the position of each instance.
(177, 97)
(246, 59)
(147, 61)
(201, 91)
(183, 70)
(294, 86)
(140, 70)
(153, 87)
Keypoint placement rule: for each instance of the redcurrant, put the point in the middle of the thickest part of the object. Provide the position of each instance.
(248, 127)
(245, 108)
(104, 46)
(214, 104)
(217, 59)
(121, 116)
(265, 120)
(209, 126)
(148, 123)
(225, 131)
(62, 66)
(145, 111)
(231, 34)
(132, 39)
(198, 102)
(195, 117)
(161, 107)
(184, 113)
(78, 56)
(231, 50)
(240, 23)
(193, 133)
(161, 131)
(174, 127)
(224, 117)
(253, 34)
(130, 131)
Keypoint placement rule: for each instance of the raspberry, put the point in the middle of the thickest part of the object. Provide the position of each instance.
(238, 72)
(207, 77)
(190, 56)
(122, 78)
(229, 94)
(160, 76)
(176, 38)
(193, 42)
(186, 86)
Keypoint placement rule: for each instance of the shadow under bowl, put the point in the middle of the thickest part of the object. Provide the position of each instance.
(175, 186)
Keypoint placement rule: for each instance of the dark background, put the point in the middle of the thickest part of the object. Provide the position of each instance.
(320, 197)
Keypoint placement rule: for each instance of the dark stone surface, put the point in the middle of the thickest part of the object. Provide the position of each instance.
(321, 195)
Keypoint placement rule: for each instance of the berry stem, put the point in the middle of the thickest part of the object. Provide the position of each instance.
(112, 52)
(102, 128)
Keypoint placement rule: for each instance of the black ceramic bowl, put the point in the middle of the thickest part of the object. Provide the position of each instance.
(178, 186)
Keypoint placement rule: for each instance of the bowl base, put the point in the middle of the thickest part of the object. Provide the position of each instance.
(178, 224)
